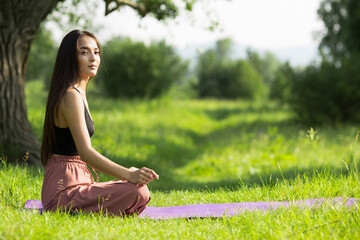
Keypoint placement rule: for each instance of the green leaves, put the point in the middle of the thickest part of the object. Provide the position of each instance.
(135, 70)
(221, 77)
(160, 9)
(342, 23)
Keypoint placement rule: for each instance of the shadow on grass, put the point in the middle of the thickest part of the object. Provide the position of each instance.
(262, 179)
(223, 113)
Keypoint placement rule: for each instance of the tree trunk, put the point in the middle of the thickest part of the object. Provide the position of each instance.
(19, 21)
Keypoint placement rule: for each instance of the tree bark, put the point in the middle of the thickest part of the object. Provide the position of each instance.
(19, 21)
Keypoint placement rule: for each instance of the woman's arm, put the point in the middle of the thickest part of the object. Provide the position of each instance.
(72, 109)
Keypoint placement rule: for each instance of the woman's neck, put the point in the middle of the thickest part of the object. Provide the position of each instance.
(81, 86)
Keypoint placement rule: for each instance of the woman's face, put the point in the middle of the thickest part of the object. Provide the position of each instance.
(88, 57)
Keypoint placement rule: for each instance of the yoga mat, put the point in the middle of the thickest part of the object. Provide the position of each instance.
(34, 205)
(225, 209)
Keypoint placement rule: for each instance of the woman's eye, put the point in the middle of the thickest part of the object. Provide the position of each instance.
(97, 53)
(83, 53)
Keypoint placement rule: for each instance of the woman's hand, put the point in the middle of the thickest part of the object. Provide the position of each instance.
(142, 176)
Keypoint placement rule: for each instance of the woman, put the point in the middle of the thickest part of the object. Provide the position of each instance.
(66, 147)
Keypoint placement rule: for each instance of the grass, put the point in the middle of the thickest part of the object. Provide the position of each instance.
(205, 152)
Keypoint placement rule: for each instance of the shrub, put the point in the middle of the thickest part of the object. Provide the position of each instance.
(134, 70)
(207, 71)
(221, 77)
(240, 80)
(328, 93)
(280, 88)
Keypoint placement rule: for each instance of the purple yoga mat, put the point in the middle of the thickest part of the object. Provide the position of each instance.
(225, 209)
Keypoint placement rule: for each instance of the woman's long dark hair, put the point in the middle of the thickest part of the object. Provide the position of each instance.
(65, 75)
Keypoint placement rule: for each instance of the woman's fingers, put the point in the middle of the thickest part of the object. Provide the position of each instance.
(155, 175)
(151, 172)
(145, 175)
(146, 172)
(142, 176)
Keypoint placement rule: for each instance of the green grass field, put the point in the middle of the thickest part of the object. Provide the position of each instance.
(205, 152)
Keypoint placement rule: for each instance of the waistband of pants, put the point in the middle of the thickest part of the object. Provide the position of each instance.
(64, 158)
(70, 159)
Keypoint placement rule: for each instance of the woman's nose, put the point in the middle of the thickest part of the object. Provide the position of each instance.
(92, 57)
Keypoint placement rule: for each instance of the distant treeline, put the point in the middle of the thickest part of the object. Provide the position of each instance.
(328, 91)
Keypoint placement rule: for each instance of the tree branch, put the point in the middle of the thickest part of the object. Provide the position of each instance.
(140, 8)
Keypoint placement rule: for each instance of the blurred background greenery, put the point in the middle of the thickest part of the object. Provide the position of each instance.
(327, 91)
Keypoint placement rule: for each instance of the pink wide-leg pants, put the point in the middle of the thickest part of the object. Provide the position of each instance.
(69, 186)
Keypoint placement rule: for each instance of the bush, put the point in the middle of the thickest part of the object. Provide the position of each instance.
(240, 80)
(207, 71)
(328, 93)
(221, 77)
(134, 70)
(280, 88)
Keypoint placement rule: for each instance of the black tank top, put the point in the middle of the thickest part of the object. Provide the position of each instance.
(64, 142)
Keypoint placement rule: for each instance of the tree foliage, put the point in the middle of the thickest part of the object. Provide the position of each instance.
(266, 65)
(74, 14)
(160, 9)
(330, 92)
(221, 77)
(241, 80)
(280, 88)
(342, 28)
(132, 69)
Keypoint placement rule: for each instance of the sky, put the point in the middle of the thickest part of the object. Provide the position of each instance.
(281, 26)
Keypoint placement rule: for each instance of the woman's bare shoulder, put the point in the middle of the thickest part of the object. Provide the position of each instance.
(71, 99)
